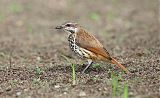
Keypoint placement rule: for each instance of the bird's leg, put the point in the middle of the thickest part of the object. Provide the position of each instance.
(89, 63)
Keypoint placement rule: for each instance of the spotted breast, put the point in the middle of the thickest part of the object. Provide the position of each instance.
(74, 47)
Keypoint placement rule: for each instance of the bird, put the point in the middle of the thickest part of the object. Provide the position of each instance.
(87, 46)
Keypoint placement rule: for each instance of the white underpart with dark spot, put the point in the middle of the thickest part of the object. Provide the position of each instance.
(75, 48)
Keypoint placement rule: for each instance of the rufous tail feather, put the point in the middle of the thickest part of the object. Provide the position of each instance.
(114, 61)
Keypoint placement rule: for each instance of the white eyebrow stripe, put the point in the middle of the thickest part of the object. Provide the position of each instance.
(70, 23)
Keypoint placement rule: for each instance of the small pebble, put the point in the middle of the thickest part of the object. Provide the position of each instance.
(26, 90)
(82, 94)
(65, 93)
(38, 58)
(57, 86)
(18, 93)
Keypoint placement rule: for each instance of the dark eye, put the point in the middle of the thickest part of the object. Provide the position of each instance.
(68, 25)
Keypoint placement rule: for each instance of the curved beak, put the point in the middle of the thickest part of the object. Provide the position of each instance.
(59, 27)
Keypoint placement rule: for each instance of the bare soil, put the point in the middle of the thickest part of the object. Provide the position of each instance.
(33, 55)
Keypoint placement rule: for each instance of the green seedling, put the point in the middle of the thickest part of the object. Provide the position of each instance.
(16, 7)
(125, 95)
(94, 16)
(36, 81)
(73, 69)
(73, 74)
(30, 29)
(96, 65)
(13, 82)
(117, 88)
(114, 84)
(94, 78)
(38, 71)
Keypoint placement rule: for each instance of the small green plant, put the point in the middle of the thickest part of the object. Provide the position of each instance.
(94, 78)
(36, 81)
(73, 69)
(94, 16)
(125, 95)
(30, 29)
(96, 65)
(73, 74)
(117, 89)
(13, 82)
(114, 84)
(38, 71)
(16, 7)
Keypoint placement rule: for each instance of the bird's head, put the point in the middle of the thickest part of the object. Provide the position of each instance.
(69, 27)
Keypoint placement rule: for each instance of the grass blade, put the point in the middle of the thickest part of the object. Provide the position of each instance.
(114, 85)
(73, 74)
(125, 91)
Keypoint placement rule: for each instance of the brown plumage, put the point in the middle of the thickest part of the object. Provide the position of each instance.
(87, 46)
(89, 42)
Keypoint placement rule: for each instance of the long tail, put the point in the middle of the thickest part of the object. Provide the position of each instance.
(114, 61)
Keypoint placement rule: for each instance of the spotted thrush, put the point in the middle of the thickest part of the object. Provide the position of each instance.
(87, 46)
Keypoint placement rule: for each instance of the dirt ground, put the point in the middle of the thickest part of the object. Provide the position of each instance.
(33, 54)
